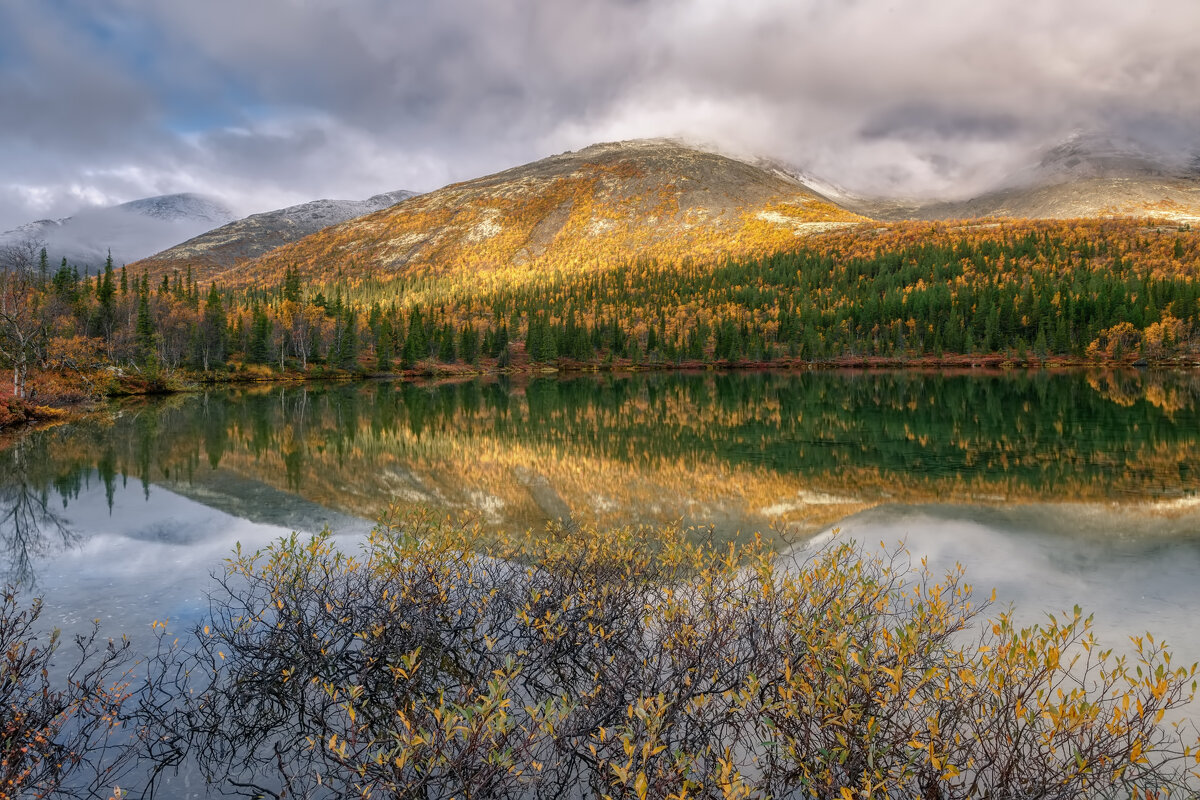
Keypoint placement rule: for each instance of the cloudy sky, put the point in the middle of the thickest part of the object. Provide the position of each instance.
(272, 102)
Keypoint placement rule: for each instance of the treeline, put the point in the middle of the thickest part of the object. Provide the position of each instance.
(1027, 291)
(1035, 292)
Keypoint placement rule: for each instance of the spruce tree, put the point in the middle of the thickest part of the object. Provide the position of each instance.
(106, 310)
(212, 331)
(348, 344)
(144, 330)
(383, 345)
(446, 350)
(258, 349)
(416, 346)
(468, 344)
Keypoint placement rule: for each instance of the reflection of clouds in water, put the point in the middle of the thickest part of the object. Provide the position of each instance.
(1131, 584)
(163, 516)
(150, 559)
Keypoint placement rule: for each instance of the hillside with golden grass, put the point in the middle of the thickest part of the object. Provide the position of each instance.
(609, 202)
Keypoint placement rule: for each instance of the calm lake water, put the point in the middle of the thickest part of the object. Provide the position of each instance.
(1055, 489)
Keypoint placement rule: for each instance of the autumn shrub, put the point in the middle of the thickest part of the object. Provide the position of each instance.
(636, 663)
(13, 411)
(60, 706)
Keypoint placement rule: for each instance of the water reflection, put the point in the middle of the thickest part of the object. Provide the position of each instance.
(740, 452)
(30, 527)
(1135, 575)
(1054, 488)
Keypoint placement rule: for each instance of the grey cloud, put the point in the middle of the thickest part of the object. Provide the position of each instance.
(60, 92)
(297, 100)
(924, 120)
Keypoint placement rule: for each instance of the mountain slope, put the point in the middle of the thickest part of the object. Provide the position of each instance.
(258, 233)
(611, 202)
(131, 230)
(1085, 176)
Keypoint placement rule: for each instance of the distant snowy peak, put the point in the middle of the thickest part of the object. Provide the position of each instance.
(1087, 175)
(389, 199)
(1087, 155)
(330, 212)
(246, 238)
(181, 207)
(129, 231)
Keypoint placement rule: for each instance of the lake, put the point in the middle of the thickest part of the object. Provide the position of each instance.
(1052, 488)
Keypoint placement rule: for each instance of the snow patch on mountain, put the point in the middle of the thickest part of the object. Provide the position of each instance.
(1087, 155)
(259, 233)
(129, 231)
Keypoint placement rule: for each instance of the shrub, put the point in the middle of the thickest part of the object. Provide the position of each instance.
(59, 706)
(642, 664)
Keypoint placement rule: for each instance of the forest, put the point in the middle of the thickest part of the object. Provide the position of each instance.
(1022, 292)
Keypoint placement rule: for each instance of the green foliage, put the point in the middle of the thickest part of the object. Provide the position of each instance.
(383, 345)
(144, 329)
(416, 343)
(211, 345)
(1078, 290)
(258, 350)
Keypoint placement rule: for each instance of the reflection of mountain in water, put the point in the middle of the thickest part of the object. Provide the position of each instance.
(1133, 572)
(261, 503)
(737, 451)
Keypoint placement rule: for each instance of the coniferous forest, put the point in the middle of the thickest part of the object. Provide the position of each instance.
(1023, 292)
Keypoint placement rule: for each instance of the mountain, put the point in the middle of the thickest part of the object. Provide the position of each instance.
(131, 230)
(644, 199)
(1085, 176)
(258, 233)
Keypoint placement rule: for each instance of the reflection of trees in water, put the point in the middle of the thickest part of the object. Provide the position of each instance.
(353, 446)
(29, 527)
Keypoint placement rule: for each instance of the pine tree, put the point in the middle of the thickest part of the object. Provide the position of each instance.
(347, 349)
(533, 338)
(447, 352)
(105, 317)
(500, 341)
(468, 344)
(291, 285)
(548, 349)
(65, 283)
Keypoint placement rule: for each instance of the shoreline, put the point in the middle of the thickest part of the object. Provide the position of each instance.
(24, 415)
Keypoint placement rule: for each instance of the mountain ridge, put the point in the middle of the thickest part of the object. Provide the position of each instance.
(641, 199)
(251, 236)
(645, 198)
(129, 231)
(1087, 175)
